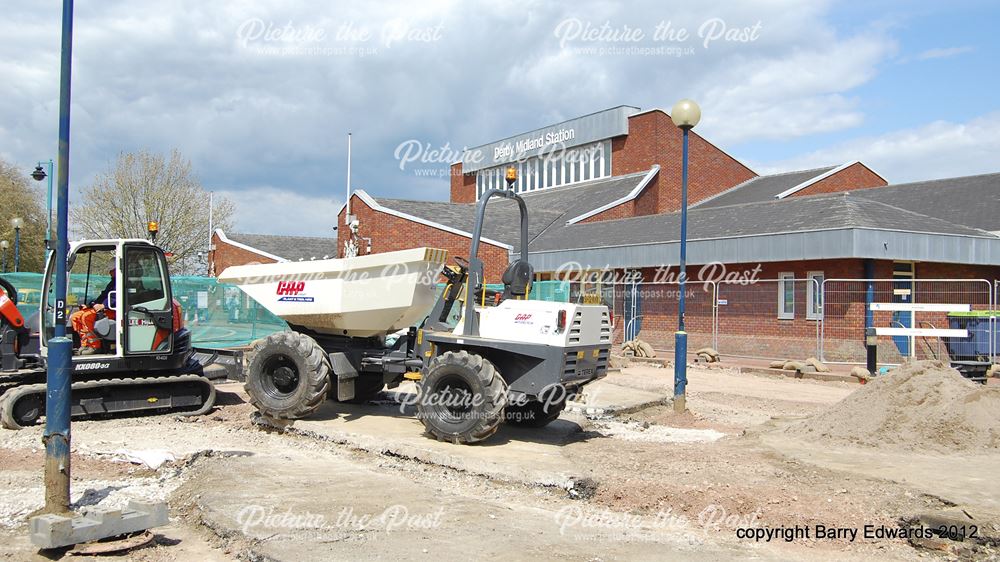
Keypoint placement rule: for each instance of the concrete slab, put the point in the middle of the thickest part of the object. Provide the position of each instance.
(300, 507)
(532, 456)
(54, 531)
(528, 455)
(961, 479)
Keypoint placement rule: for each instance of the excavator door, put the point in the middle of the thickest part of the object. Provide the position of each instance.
(147, 301)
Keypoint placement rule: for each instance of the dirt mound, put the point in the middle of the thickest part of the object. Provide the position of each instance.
(923, 405)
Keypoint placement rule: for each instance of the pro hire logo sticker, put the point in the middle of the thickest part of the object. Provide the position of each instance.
(291, 291)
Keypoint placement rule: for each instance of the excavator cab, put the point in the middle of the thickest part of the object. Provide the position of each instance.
(131, 280)
(144, 361)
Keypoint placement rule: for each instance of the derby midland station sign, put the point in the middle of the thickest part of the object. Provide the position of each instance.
(549, 140)
(538, 143)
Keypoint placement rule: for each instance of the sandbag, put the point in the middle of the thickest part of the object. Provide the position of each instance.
(861, 373)
(819, 365)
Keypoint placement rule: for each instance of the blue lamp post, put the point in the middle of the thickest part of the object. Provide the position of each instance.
(3, 246)
(685, 114)
(16, 223)
(57, 399)
(39, 175)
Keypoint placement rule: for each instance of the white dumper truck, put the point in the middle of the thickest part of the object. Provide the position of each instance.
(475, 366)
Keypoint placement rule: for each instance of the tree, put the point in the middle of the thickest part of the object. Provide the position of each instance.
(21, 197)
(143, 187)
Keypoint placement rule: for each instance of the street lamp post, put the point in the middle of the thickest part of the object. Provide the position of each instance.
(3, 246)
(60, 360)
(39, 175)
(685, 114)
(16, 223)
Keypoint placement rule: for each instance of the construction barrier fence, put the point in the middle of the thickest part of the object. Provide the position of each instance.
(219, 315)
(948, 319)
(789, 318)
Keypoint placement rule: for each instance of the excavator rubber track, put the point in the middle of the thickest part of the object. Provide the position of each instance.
(187, 395)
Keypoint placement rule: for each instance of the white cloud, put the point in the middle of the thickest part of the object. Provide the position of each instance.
(179, 77)
(268, 210)
(795, 94)
(945, 52)
(939, 149)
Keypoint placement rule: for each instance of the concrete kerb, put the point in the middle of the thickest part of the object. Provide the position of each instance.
(56, 531)
(806, 373)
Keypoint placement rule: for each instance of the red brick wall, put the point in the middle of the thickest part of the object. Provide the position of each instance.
(855, 176)
(225, 255)
(654, 139)
(648, 202)
(749, 325)
(390, 233)
(623, 211)
(463, 186)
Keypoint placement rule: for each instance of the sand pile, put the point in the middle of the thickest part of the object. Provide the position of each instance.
(923, 405)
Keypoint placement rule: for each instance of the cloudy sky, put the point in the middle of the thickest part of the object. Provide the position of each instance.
(261, 94)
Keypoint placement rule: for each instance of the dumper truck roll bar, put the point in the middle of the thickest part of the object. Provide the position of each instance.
(520, 271)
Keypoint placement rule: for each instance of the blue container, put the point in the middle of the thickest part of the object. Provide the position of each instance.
(978, 342)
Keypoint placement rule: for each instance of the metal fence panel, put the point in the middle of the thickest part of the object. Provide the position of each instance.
(218, 315)
(649, 311)
(994, 325)
(770, 318)
(930, 305)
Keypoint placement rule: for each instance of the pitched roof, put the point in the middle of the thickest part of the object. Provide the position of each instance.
(797, 214)
(963, 207)
(291, 248)
(546, 208)
(761, 188)
(970, 200)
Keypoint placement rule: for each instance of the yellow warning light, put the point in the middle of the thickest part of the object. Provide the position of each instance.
(153, 226)
(511, 176)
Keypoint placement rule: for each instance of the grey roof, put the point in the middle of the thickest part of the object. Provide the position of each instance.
(547, 208)
(795, 214)
(761, 188)
(291, 248)
(971, 200)
(943, 220)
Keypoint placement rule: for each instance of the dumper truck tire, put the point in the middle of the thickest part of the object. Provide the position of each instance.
(461, 398)
(289, 376)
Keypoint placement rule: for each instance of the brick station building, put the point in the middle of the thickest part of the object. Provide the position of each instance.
(245, 249)
(603, 192)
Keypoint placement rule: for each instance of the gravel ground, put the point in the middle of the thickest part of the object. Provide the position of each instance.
(707, 465)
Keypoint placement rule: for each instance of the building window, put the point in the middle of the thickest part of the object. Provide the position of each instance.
(786, 296)
(606, 159)
(814, 295)
(571, 166)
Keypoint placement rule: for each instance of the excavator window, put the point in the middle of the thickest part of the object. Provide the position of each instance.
(147, 300)
(88, 276)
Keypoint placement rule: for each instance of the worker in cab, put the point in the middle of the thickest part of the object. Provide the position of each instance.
(83, 320)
